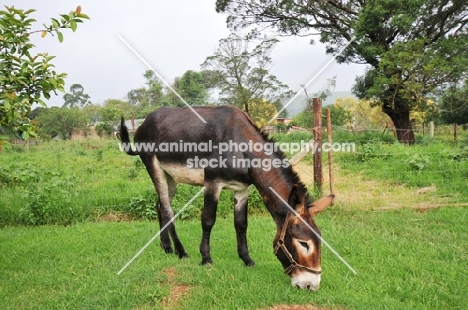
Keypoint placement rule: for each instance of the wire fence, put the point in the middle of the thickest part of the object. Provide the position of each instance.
(381, 173)
(89, 178)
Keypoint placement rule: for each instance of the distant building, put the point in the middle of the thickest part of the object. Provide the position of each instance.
(282, 120)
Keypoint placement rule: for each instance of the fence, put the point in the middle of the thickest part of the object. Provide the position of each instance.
(92, 177)
(382, 173)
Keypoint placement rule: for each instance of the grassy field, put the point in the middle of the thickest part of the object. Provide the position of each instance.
(404, 260)
(72, 213)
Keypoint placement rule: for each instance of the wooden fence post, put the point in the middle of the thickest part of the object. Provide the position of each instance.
(317, 130)
(455, 132)
(330, 154)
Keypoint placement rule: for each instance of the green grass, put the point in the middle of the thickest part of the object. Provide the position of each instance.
(66, 182)
(439, 164)
(404, 260)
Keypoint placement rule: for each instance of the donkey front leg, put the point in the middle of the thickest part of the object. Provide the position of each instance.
(208, 219)
(240, 223)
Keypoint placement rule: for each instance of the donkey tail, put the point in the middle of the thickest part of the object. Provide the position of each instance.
(125, 139)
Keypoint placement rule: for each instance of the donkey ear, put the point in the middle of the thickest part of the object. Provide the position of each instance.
(321, 204)
(296, 198)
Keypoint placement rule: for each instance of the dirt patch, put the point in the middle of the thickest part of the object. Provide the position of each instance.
(356, 192)
(115, 217)
(178, 291)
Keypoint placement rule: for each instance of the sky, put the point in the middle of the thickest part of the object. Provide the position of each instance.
(172, 37)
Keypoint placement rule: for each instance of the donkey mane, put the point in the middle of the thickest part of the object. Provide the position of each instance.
(291, 175)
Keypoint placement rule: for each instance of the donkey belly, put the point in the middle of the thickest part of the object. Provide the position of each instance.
(182, 174)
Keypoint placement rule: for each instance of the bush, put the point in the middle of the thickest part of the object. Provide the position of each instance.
(104, 129)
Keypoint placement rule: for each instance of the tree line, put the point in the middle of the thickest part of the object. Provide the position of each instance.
(415, 52)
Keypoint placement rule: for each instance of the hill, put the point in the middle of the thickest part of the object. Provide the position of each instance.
(299, 103)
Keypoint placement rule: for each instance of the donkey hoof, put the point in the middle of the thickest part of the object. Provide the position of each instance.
(168, 250)
(250, 264)
(208, 261)
(182, 255)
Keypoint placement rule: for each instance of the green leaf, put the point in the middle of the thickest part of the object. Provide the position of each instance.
(59, 36)
(83, 16)
(73, 25)
(25, 135)
(6, 103)
(55, 23)
(65, 17)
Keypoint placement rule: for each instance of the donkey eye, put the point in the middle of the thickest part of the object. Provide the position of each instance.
(305, 245)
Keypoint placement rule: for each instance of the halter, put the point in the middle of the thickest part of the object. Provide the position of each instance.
(280, 245)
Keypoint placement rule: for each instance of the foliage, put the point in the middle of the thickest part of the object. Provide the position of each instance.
(143, 207)
(191, 86)
(42, 207)
(418, 161)
(114, 109)
(453, 105)
(412, 48)
(361, 113)
(104, 129)
(27, 78)
(76, 98)
(261, 111)
(62, 122)
(304, 119)
(149, 95)
(243, 72)
(368, 151)
(94, 112)
(339, 115)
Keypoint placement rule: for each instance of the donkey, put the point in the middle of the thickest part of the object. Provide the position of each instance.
(229, 152)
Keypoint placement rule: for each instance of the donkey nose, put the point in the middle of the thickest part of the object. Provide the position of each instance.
(312, 288)
(308, 286)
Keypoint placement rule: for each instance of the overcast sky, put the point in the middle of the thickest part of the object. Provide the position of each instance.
(172, 36)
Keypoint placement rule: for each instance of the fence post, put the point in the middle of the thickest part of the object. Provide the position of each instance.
(317, 130)
(455, 131)
(431, 128)
(330, 153)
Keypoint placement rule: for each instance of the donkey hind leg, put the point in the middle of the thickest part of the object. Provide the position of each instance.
(208, 219)
(179, 248)
(240, 224)
(165, 187)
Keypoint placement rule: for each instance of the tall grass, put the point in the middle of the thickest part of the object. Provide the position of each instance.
(65, 182)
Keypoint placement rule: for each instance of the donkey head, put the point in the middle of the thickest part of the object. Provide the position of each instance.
(297, 243)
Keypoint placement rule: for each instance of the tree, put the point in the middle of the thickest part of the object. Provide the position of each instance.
(361, 114)
(94, 112)
(149, 95)
(339, 115)
(191, 86)
(261, 111)
(76, 98)
(243, 72)
(114, 109)
(27, 78)
(411, 47)
(62, 122)
(453, 105)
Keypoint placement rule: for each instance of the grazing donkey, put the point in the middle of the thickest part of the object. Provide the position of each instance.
(229, 152)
